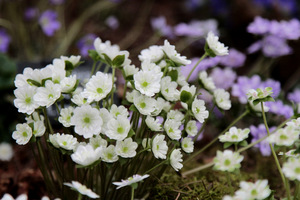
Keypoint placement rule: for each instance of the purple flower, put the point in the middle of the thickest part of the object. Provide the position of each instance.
(294, 96)
(254, 47)
(290, 30)
(86, 43)
(209, 62)
(4, 41)
(274, 46)
(279, 108)
(259, 26)
(276, 86)
(112, 22)
(49, 23)
(223, 78)
(159, 24)
(234, 59)
(244, 84)
(31, 13)
(57, 2)
(259, 132)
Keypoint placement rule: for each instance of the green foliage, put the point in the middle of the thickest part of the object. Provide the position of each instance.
(7, 72)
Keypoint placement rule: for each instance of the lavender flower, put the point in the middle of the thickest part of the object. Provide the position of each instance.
(259, 26)
(279, 108)
(294, 96)
(112, 22)
(259, 132)
(31, 13)
(254, 47)
(48, 22)
(4, 41)
(274, 46)
(209, 62)
(276, 86)
(159, 24)
(234, 59)
(86, 43)
(223, 78)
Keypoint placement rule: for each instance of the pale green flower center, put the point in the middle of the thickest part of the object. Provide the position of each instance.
(157, 147)
(197, 110)
(171, 130)
(143, 105)
(86, 120)
(125, 149)
(50, 96)
(64, 143)
(185, 145)
(167, 90)
(24, 134)
(109, 156)
(234, 137)
(145, 84)
(120, 130)
(254, 192)
(99, 90)
(28, 100)
(56, 81)
(283, 137)
(227, 162)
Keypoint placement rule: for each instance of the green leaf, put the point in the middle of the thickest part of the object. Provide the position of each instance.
(243, 143)
(118, 60)
(134, 185)
(46, 79)
(133, 108)
(122, 161)
(210, 52)
(256, 101)
(107, 59)
(132, 84)
(33, 82)
(185, 96)
(129, 78)
(227, 144)
(131, 133)
(94, 55)
(173, 74)
(68, 65)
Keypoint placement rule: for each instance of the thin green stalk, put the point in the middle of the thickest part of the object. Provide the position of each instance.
(197, 169)
(93, 69)
(112, 90)
(125, 90)
(132, 193)
(272, 148)
(229, 182)
(296, 193)
(161, 163)
(204, 55)
(79, 196)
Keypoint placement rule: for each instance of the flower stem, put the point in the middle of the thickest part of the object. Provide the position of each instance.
(79, 196)
(132, 193)
(204, 55)
(272, 148)
(229, 182)
(296, 193)
(112, 90)
(163, 162)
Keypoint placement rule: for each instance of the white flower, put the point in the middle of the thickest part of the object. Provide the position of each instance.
(68, 84)
(130, 96)
(86, 155)
(217, 47)
(152, 67)
(131, 180)
(82, 189)
(160, 104)
(294, 123)
(58, 70)
(174, 55)
(171, 127)
(97, 141)
(258, 190)
(187, 145)
(65, 141)
(34, 117)
(191, 89)
(79, 100)
(259, 93)
(235, 135)
(87, 121)
(65, 116)
(181, 80)
(145, 105)
(98, 87)
(199, 110)
(168, 89)
(109, 154)
(6, 151)
(9, 197)
(153, 124)
(116, 111)
(147, 82)
(46, 96)
(191, 128)
(291, 154)
(130, 70)
(227, 160)
(222, 99)
(176, 159)
(291, 169)
(153, 54)
(36, 75)
(257, 107)
(159, 147)
(24, 99)
(176, 115)
(207, 82)
(38, 128)
(284, 136)
(106, 117)
(118, 129)
(126, 148)
(22, 134)
(72, 59)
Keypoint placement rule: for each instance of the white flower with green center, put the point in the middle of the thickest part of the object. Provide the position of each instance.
(36, 75)
(290, 154)
(130, 96)
(126, 148)
(82, 189)
(22, 134)
(65, 141)
(153, 54)
(199, 110)
(98, 142)
(24, 99)
(6, 151)
(34, 117)
(87, 121)
(227, 161)
(190, 90)
(160, 104)
(294, 123)
(175, 115)
(131, 180)
(191, 128)
(153, 124)
(171, 127)
(291, 169)
(109, 154)
(68, 83)
(86, 155)
(145, 105)
(235, 135)
(168, 89)
(207, 81)
(130, 70)
(147, 82)
(187, 145)
(46, 96)
(173, 55)
(58, 70)
(98, 87)
(118, 129)
(259, 93)
(222, 99)
(159, 147)
(72, 59)
(65, 116)
(106, 117)
(38, 128)
(116, 111)
(284, 136)
(214, 45)
(259, 190)
(176, 159)
(79, 100)
(151, 67)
